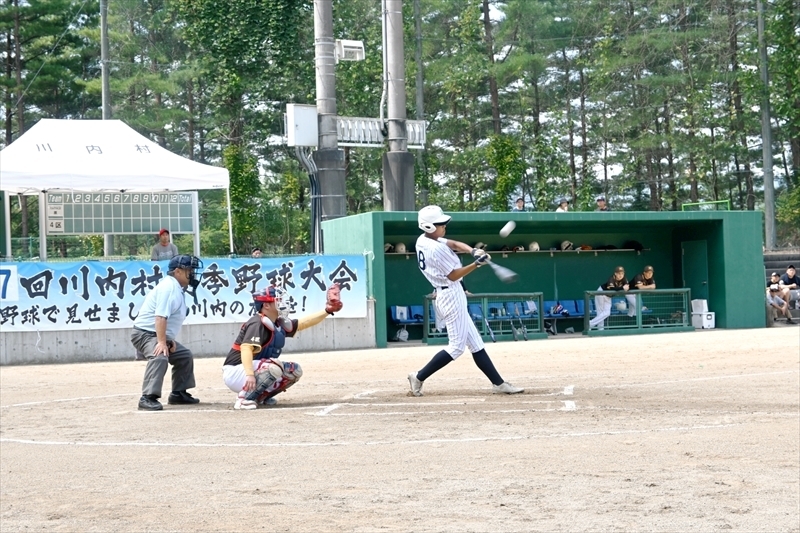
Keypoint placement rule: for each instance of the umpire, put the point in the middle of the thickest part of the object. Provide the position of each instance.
(154, 332)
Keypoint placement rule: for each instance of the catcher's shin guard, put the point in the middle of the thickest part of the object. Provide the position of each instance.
(267, 375)
(290, 374)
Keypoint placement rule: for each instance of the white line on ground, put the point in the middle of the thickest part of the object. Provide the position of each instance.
(568, 390)
(368, 443)
(327, 410)
(569, 405)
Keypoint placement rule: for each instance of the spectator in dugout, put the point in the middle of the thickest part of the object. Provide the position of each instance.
(774, 298)
(790, 285)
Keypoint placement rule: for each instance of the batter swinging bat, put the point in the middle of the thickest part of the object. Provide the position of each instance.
(491, 333)
(504, 274)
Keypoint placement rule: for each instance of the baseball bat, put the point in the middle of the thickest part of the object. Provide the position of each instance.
(504, 274)
(491, 333)
(522, 327)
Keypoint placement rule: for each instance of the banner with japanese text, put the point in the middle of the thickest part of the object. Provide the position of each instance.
(101, 295)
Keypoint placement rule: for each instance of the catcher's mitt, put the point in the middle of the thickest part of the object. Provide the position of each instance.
(334, 302)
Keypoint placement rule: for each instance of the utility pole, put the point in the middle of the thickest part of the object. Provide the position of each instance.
(423, 192)
(398, 164)
(770, 239)
(329, 159)
(108, 239)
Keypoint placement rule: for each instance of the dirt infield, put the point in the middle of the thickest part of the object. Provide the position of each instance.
(674, 432)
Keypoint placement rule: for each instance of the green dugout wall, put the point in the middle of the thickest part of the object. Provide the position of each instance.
(718, 255)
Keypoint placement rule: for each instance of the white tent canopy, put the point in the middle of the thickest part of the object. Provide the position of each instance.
(95, 155)
(98, 155)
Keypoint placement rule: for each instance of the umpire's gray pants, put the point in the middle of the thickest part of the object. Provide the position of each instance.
(181, 360)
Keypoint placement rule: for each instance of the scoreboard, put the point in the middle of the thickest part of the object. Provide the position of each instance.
(75, 212)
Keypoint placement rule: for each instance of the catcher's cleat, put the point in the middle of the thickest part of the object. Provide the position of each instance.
(269, 401)
(506, 388)
(181, 397)
(416, 384)
(242, 404)
(149, 403)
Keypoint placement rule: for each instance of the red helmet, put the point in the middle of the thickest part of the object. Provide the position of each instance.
(269, 294)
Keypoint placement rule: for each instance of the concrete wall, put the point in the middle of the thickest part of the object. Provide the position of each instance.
(208, 340)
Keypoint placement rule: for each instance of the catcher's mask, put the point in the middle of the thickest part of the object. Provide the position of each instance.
(271, 294)
(190, 263)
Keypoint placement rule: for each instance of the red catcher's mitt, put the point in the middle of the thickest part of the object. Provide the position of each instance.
(334, 302)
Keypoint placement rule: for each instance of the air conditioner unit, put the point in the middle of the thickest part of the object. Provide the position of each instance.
(349, 50)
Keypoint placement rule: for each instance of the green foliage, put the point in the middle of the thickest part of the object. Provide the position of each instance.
(505, 156)
(653, 103)
(244, 188)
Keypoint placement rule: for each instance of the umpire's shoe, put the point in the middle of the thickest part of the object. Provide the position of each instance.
(149, 402)
(181, 397)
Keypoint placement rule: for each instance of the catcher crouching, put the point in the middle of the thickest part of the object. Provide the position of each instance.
(252, 368)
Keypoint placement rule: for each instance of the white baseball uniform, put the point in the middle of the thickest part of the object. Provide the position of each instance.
(436, 260)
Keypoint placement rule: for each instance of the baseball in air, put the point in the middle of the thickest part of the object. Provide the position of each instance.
(508, 228)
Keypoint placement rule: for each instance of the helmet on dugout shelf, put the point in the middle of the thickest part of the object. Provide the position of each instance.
(566, 245)
(431, 216)
(533, 247)
(400, 248)
(388, 248)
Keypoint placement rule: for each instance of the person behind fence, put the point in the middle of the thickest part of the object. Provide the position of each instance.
(601, 204)
(774, 299)
(602, 303)
(563, 205)
(519, 205)
(163, 249)
(252, 368)
(642, 281)
(155, 328)
(790, 286)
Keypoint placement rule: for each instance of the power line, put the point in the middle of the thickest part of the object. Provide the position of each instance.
(68, 28)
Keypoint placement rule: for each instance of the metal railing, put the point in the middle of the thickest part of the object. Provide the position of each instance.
(638, 311)
(498, 317)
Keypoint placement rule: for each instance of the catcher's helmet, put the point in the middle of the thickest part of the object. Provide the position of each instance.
(269, 295)
(533, 247)
(480, 246)
(388, 248)
(400, 248)
(566, 245)
(431, 216)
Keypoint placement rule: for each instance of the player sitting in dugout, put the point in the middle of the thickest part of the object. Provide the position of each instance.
(252, 369)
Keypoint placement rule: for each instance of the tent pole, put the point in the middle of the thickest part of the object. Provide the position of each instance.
(7, 217)
(230, 220)
(42, 228)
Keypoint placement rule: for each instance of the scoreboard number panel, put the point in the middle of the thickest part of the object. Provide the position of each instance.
(120, 213)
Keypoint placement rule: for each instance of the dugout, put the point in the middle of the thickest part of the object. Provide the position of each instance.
(716, 254)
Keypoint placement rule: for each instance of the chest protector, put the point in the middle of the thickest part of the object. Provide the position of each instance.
(272, 350)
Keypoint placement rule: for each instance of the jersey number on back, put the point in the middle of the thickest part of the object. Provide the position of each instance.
(421, 260)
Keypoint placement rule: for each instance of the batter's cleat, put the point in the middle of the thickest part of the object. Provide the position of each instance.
(242, 404)
(416, 384)
(181, 397)
(149, 402)
(506, 388)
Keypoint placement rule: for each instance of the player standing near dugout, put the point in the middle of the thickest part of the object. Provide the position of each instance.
(438, 262)
(252, 369)
(154, 331)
